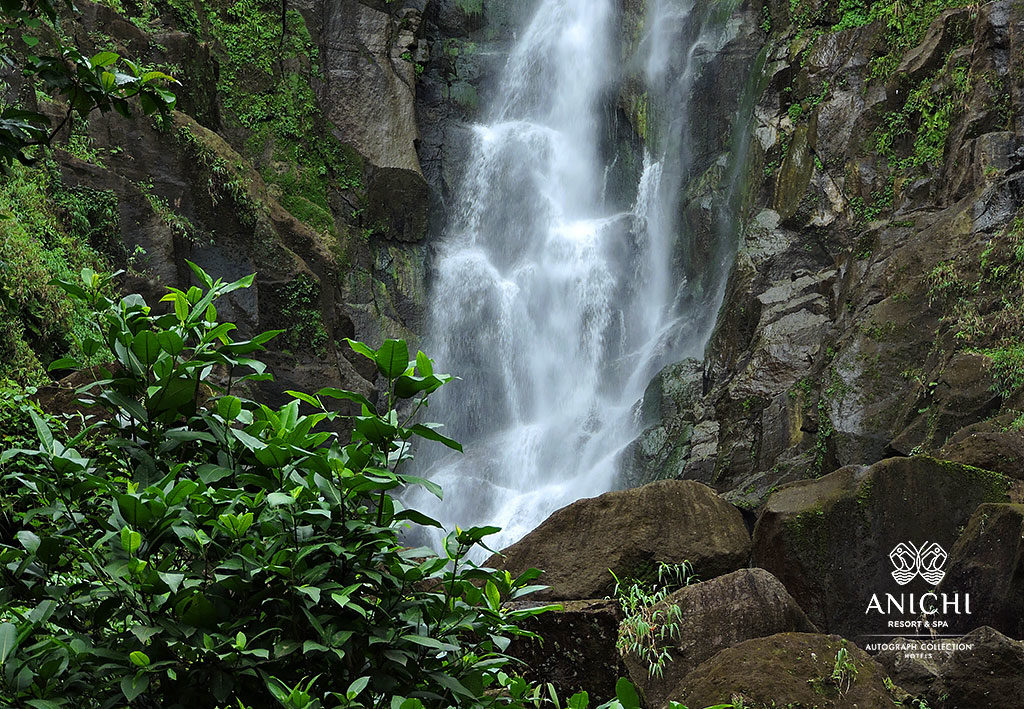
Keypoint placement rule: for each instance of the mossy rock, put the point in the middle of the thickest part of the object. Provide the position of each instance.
(793, 670)
(988, 563)
(829, 540)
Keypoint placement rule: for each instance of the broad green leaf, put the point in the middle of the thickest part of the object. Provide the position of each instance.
(424, 364)
(276, 499)
(103, 59)
(130, 540)
(202, 275)
(347, 395)
(361, 349)
(170, 342)
(146, 347)
(580, 700)
(42, 430)
(29, 540)
(133, 510)
(8, 640)
(229, 407)
(493, 597)
(64, 363)
(139, 658)
(243, 282)
(392, 358)
(173, 581)
(432, 435)
(429, 485)
(356, 688)
(625, 692)
(133, 686)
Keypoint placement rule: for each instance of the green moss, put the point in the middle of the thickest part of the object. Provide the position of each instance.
(473, 8)
(300, 313)
(227, 180)
(266, 69)
(45, 233)
(993, 486)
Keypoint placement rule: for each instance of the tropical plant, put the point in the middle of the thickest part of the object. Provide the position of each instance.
(104, 81)
(175, 541)
(649, 624)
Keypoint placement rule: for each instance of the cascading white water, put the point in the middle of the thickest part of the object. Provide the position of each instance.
(554, 312)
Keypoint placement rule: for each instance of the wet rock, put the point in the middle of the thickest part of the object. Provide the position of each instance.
(988, 563)
(950, 29)
(369, 97)
(1001, 451)
(794, 315)
(576, 650)
(716, 614)
(786, 670)
(829, 540)
(630, 532)
(668, 410)
(981, 669)
(963, 393)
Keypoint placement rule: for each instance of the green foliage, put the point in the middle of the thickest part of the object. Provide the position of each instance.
(300, 313)
(46, 232)
(473, 8)
(648, 624)
(195, 547)
(844, 671)
(105, 81)
(264, 80)
(1008, 367)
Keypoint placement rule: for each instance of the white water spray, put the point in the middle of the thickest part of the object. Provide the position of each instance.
(554, 312)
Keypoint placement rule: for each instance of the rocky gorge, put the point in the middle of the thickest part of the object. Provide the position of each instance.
(852, 204)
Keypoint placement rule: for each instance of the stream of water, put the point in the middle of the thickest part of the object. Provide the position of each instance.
(553, 308)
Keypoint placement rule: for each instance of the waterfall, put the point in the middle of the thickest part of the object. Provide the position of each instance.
(554, 308)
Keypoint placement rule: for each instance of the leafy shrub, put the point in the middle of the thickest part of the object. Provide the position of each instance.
(648, 625)
(176, 543)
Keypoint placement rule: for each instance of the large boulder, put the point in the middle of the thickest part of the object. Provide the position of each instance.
(788, 670)
(629, 532)
(988, 563)
(835, 542)
(1002, 451)
(981, 669)
(575, 650)
(716, 614)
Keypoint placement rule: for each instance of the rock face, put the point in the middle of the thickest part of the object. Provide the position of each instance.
(576, 651)
(988, 563)
(293, 154)
(829, 540)
(1002, 451)
(786, 670)
(630, 532)
(985, 670)
(875, 253)
(369, 96)
(717, 614)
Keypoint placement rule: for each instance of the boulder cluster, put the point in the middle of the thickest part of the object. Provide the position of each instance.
(802, 608)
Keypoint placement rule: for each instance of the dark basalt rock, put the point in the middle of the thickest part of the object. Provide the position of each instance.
(988, 563)
(829, 540)
(985, 670)
(576, 650)
(1001, 451)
